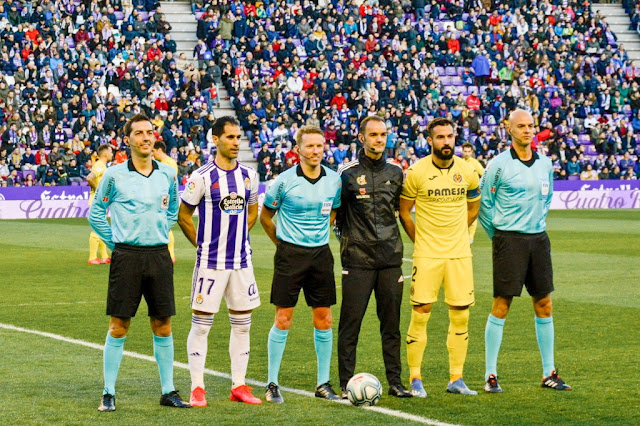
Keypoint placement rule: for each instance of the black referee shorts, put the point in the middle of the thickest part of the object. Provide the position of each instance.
(521, 259)
(309, 268)
(140, 271)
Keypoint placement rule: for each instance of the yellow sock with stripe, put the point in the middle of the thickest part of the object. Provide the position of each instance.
(457, 341)
(416, 342)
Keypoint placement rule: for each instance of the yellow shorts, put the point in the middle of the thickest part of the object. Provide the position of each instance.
(429, 274)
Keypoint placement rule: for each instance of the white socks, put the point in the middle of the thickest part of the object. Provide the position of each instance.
(239, 347)
(197, 347)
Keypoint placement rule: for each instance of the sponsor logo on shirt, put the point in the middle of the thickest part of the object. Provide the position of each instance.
(232, 204)
(247, 183)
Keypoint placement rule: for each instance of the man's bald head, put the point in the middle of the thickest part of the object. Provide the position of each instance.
(521, 127)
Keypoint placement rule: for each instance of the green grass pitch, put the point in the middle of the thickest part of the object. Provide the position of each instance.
(47, 286)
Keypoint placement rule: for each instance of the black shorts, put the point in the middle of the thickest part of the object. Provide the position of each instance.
(308, 268)
(137, 271)
(521, 259)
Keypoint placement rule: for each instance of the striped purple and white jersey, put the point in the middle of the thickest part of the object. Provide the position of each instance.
(222, 198)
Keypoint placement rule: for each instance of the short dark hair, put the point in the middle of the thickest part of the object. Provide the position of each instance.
(103, 147)
(440, 121)
(217, 129)
(468, 145)
(366, 120)
(160, 145)
(135, 119)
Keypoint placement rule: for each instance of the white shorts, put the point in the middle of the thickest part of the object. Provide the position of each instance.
(238, 286)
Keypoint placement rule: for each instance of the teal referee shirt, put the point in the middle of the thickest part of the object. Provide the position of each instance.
(304, 205)
(143, 208)
(516, 194)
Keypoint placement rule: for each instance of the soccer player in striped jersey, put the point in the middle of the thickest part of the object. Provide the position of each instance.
(225, 193)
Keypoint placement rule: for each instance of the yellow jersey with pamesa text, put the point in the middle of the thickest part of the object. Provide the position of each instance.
(441, 197)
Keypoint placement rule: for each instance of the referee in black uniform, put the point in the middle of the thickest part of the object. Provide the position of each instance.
(371, 252)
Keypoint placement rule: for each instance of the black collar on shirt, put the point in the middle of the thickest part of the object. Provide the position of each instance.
(370, 162)
(132, 168)
(299, 172)
(527, 163)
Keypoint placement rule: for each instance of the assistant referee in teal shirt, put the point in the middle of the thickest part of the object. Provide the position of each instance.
(517, 188)
(305, 198)
(142, 195)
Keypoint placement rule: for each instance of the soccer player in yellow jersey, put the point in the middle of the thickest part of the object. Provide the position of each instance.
(445, 192)
(97, 248)
(467, 154)
(160, 154)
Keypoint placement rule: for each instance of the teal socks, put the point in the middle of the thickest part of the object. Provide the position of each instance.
(545, 335)
(492, 341)
(323, 340)
(275, 345)
(113, 349)
(163, 351)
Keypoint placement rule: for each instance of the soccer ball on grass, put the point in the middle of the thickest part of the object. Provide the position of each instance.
(364, 389)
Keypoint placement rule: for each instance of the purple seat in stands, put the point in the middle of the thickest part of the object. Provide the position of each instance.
(483, 89)
(119, 15)
(456, 81)
(145, 16)
(29, 172)
(471, 89)
(573, 177)
(446, 80)
(450, 71)
(440, 70)
(465, 16)
(459, 70)
(199, 15)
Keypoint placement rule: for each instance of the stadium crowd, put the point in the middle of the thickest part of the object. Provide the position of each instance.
(72, 72)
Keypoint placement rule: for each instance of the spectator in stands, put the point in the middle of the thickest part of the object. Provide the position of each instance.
(589, 173)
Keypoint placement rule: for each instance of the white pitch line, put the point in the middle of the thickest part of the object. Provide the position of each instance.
(406, 259)
(79, 302)
(380, 410)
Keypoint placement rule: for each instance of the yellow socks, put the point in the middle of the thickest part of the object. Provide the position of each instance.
(416, 342)
(94, 244)
(172, 251)
(457, 341)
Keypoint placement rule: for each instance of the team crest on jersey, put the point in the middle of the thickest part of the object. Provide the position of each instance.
(165, 202)
(199, 299)
(191, 186)
(232, 204)
(247, 183)
(457, 178)
(361, 180)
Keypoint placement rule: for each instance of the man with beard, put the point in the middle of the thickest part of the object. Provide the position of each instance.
(445, 191)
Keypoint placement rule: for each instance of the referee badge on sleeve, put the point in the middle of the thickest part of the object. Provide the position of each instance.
(165, 202)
